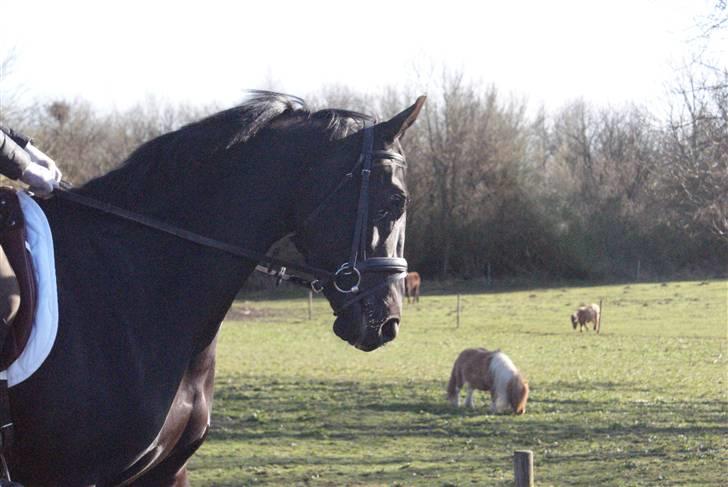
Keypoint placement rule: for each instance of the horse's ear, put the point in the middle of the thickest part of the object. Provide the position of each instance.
(397, 125)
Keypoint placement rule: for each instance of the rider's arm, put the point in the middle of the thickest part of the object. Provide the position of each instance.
(14, 160)
(20, 159)
(19, 138)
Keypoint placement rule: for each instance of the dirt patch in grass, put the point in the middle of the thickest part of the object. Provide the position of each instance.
(243, 312)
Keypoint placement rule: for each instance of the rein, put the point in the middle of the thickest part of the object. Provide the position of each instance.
(63, 192)
(346, 279)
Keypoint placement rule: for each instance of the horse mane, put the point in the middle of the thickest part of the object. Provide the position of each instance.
(340, 123)
(199, 143)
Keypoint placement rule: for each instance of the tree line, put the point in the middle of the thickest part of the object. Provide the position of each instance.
(497, 188)
(582, 192)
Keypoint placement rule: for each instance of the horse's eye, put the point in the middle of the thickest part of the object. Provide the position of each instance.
(381, 215)
(397, 203)
(394, 210)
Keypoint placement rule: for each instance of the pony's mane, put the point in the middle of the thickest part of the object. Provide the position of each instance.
(502, 367)
(502, 371)
(199, 142)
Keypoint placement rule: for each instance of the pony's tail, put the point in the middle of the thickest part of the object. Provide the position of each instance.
(452, 386)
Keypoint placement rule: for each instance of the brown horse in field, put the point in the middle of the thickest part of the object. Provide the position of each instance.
(412, 286)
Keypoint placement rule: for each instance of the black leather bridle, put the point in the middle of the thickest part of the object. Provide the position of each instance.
(345, 280)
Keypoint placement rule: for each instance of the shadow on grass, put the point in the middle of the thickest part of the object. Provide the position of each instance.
(349, 411)
(328, 432)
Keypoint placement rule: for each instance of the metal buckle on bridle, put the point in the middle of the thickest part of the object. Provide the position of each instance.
(343, 274)
(281, 276)
(316, 286)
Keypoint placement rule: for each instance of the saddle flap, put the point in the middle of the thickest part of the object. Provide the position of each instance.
(12, 240)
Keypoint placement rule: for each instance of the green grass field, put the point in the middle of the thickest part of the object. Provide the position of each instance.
(643, 403)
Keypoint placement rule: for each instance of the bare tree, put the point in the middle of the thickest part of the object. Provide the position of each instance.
(10, 109)
(87, 143)
(340, 96)
(696, 140)
(696, 153)
(469, 151)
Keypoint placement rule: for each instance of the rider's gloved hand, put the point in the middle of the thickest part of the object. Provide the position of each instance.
(37, 156)
(42, 174)
(40, 179)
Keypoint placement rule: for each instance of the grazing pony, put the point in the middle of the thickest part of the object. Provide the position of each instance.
(584, 315)
(478, 368)
(412, 286)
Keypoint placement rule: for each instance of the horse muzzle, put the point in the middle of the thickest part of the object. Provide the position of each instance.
(365, 301)
(363, 332)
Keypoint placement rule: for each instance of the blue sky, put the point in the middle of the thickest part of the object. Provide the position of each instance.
(116, 54)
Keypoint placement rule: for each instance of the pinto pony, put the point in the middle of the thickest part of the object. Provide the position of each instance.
(584, 315)
(412, 286)
(478, 368)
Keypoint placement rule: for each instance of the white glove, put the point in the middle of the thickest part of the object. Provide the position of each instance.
(41, 180)
(37, 156)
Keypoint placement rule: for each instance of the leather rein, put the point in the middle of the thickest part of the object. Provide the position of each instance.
(346, 279)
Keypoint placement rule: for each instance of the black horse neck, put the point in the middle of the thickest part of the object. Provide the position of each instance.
(151, 279)
(138, 306)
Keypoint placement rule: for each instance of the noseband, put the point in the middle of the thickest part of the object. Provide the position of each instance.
(346, 279)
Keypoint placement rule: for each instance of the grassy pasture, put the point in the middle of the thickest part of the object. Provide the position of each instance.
(643, 403)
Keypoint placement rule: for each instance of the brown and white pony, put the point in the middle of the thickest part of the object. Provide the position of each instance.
(478, 368)
(412, 286)
(584, 315)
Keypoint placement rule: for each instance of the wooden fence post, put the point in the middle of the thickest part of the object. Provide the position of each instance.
(523, 468)
(599, 318)
(310, 304)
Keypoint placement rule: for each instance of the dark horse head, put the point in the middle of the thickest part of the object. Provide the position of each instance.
(335, 179)
(351, 219)
(348, 209)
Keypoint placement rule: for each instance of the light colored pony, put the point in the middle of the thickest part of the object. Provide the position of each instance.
(584, 315)
(478, 368)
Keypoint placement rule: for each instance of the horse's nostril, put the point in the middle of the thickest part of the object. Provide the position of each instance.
(389, 330)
